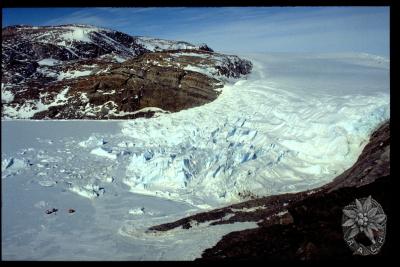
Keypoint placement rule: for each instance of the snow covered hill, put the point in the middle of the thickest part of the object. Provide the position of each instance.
(86, 72)
(75, 41)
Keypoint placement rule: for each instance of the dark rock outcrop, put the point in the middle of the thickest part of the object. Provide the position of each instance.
(205, 47)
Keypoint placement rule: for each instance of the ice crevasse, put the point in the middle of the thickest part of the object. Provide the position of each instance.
(256, 139)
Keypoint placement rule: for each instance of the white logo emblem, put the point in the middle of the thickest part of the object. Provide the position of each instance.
(364, 217)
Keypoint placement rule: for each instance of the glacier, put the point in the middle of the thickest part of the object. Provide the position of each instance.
(263, 135)
(296, 122)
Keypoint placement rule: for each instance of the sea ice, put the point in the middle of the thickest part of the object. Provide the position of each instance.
(102, 152)
(12, 166)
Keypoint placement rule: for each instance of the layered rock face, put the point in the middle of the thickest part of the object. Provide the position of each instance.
(83, 72)
(305, 225)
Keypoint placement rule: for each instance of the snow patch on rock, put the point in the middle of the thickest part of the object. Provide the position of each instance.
(29, 108)
(48, 62)
(6, 96)
(77, 34)
(73, 74)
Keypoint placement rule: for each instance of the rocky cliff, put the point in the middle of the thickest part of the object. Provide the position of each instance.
(84, 72)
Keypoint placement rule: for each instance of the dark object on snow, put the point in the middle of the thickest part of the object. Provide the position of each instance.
(51, 211)
(71, 211)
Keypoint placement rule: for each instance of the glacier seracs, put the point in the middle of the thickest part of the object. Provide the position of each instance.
(278, 130)
(259, 136)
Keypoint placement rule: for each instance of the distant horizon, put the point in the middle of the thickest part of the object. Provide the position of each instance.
(234, 29)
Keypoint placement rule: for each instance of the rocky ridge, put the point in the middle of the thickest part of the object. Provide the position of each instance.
(85, 72)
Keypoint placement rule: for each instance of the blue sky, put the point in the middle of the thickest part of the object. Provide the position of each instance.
(235, 29)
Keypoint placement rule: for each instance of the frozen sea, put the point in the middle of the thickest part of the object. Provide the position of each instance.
(295, 123)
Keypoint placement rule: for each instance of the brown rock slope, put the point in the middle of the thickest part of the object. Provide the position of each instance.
(305, 225)
(158, 79)
(84, 72)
